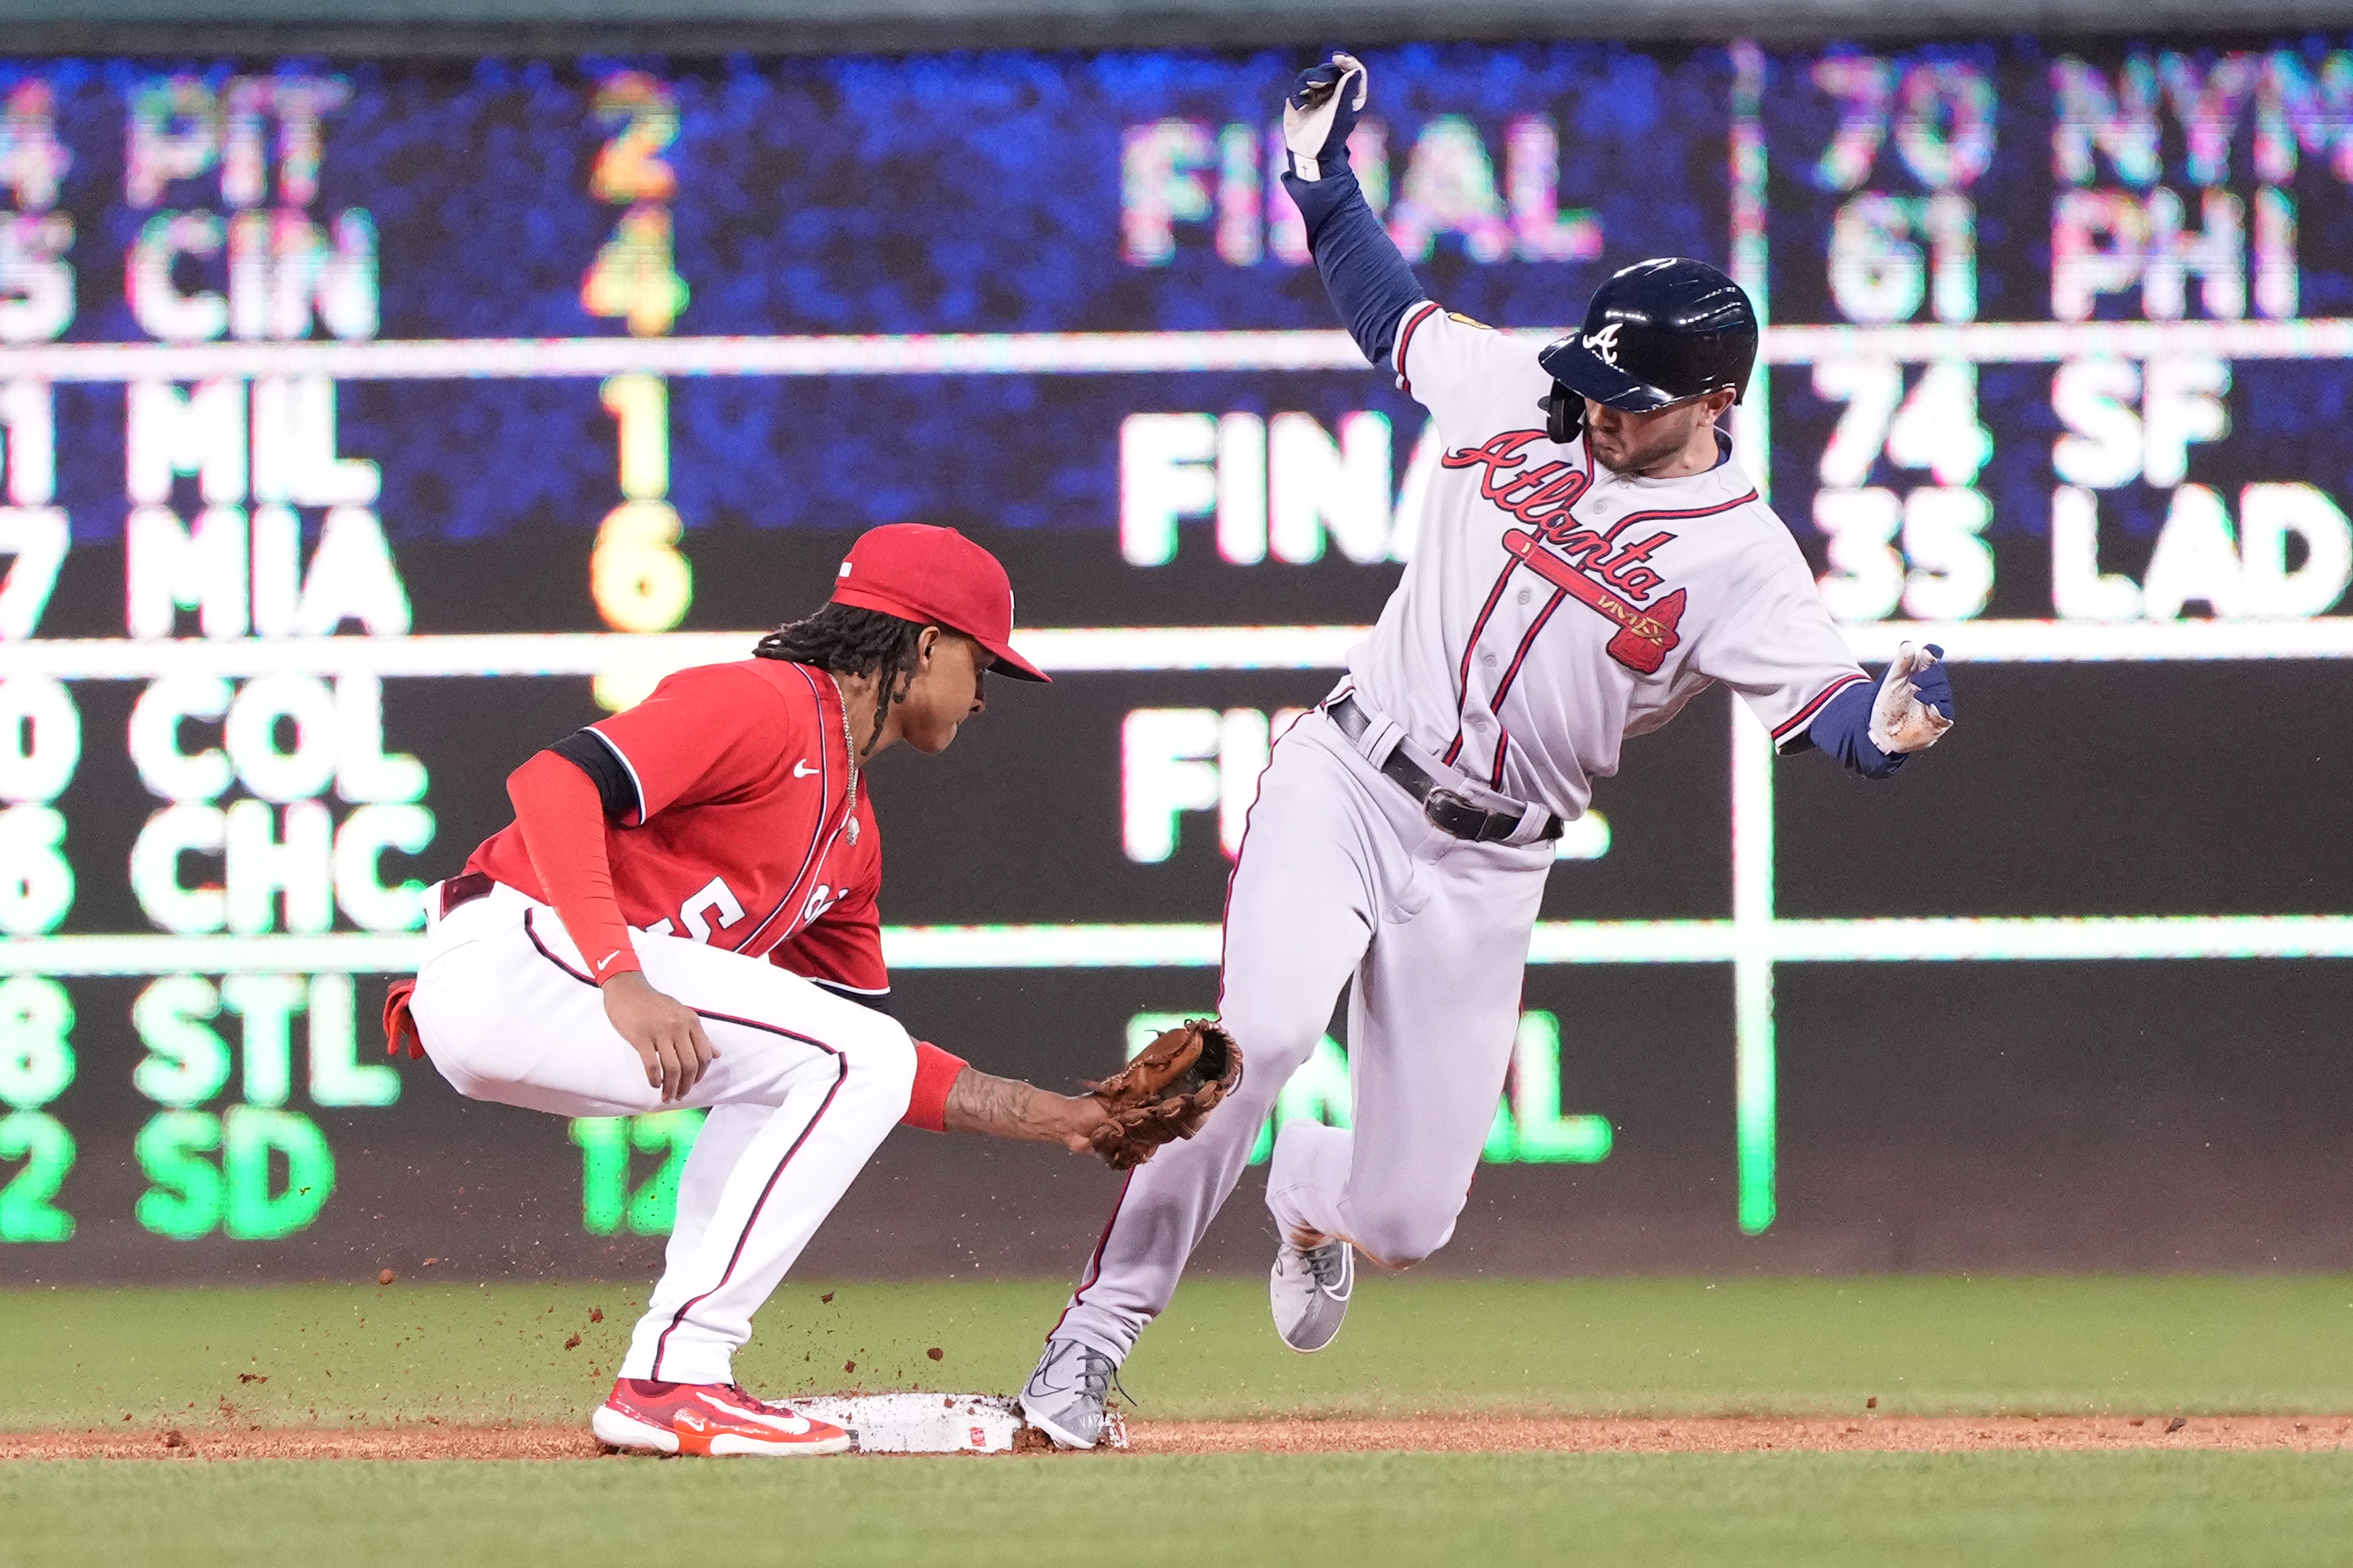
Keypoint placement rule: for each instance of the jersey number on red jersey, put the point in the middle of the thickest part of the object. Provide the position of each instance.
(714, 896)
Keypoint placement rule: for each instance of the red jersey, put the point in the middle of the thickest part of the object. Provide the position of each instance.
(743, 833)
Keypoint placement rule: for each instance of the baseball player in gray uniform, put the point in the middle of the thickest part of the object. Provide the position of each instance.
(1590, 560)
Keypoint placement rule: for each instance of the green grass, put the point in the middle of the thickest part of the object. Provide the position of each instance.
(1751, 1510)
(338, 1355)
(335, 1355)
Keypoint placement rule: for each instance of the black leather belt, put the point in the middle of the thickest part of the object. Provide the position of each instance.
(463, 889)
(1449, 812)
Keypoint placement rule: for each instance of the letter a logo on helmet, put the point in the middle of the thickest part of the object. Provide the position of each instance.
(1661, 331)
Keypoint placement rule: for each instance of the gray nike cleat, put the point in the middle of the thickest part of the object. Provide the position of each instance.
(1065, 1398)
(1309, 1290)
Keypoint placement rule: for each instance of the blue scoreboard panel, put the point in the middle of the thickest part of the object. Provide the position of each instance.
(365, 427)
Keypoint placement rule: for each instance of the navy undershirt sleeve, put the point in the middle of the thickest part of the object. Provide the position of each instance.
(614, 788)
(1363, 270)
(1843, 730)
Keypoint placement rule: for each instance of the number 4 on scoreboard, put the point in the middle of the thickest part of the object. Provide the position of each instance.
(633, 277)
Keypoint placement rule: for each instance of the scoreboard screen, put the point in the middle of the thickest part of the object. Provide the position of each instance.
(365, 426)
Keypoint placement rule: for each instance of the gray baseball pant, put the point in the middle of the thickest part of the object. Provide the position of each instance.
(1340, 877)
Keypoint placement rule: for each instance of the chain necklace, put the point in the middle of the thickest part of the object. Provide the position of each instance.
(849, 750)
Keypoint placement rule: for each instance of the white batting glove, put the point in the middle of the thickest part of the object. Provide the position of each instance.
(1900, 722)
(1319, 113)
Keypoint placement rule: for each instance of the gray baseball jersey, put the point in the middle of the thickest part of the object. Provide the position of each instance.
(1553, 607)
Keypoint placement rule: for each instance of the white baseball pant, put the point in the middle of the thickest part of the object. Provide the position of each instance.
(805, 1086)
(1340, 877)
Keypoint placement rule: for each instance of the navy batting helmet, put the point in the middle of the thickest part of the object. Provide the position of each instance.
(1661, 331)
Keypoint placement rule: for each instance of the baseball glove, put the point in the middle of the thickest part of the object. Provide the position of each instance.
(1165, 1093)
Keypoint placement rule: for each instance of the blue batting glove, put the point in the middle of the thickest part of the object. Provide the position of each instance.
(1933, 685)
(1319, 114)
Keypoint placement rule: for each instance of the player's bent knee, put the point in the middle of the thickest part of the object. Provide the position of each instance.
(1403, 1239)
(881, 1057)
(1299, 1141)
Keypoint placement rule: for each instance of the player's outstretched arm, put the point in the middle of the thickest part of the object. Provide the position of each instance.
(1363, 270)
(1008, 1107)
(1873, 731)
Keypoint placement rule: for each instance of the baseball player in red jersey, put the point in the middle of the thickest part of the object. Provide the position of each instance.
(683, 913)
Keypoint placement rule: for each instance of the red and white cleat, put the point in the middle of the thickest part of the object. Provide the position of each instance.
(707, 1418)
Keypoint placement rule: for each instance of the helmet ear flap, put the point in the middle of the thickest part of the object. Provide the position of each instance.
(1563, 415)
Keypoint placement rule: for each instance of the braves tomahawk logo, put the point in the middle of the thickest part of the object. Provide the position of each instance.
(1609, 578)
(1646, 635)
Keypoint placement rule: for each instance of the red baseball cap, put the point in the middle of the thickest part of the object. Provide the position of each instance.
(939, 577)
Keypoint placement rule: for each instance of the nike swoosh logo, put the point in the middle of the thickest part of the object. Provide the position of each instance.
(609, 958)
(802, 769)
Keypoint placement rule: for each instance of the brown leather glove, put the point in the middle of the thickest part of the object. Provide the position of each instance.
(1165, 1093)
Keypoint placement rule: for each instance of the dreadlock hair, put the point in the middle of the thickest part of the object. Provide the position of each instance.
(844, 639)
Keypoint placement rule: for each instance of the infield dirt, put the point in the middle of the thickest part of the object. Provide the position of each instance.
(1426, 1433)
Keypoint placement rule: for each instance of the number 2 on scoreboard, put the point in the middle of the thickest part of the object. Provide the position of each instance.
(26, 1213)
(630, 168)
